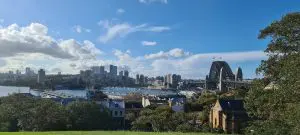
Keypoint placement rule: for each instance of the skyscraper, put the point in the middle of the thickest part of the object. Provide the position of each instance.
(137, 79)
(172, 80)
(41, 76)
(121, 73)
(28, 71)
(102, 71)
(18, 72)
(142, 79)
(113, 70)
(95, 69)
(126, 73)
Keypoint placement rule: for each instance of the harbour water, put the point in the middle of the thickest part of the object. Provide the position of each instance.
(114, 91)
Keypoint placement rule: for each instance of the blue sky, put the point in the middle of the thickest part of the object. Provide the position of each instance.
(179, 36)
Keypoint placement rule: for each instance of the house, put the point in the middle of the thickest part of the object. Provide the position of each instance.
(117, 110)
(133, 107)
(115, 106)
(228, 115)
(176, 102)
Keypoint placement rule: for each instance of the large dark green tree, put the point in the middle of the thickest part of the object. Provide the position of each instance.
(276, 110)
(88, 116)
(12, 108)
(46, 115)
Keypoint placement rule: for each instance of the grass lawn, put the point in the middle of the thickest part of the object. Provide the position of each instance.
(99, 133)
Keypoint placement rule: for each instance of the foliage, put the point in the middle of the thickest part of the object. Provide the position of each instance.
(19, 112)
(164, 119)
(11, 109)
(87, 116)
(100, 133)
(275, 111)
(46, 115)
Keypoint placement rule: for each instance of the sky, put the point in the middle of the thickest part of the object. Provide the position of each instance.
(151, 37)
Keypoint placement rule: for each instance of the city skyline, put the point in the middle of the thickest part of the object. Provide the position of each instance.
(129, 35)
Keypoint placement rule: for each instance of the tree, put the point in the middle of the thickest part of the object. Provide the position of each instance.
(46, 115)
(164, 119)
(12, 108)
(87, 116)
(273, 111)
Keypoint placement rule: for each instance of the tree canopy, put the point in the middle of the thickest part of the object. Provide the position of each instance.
(276, 111)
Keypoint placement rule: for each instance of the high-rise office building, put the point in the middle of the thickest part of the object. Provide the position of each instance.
(121, 73)
(175, 80)
(142, 79)
(95, 69)
(81, 73)
(11, 72)
(168, 79)
(41, 76)
(137, 79)
(172, 80)
(18, 72)
(113, 70)
(28, 71)
(102, 70)
(126, 73)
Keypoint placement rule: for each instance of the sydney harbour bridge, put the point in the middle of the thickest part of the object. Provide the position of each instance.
(222, 78)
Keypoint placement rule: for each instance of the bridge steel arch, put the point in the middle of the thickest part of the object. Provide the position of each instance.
(214, 73)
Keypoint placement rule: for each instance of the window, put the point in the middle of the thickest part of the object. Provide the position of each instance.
(215, 121)
(121, 113)
(116, 113)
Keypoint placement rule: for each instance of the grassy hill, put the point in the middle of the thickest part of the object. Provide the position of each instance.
(99, 133)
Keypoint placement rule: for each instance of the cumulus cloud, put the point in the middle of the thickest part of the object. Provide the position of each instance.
(149, 43)
(123, 29)
(33, 38)
(120, 11)
(31, 46)
(180, 62)
(152, 1)
(80, 29)
(197, 65)
(173, 53)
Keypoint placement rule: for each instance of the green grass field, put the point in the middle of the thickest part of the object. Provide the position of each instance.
(99, 133)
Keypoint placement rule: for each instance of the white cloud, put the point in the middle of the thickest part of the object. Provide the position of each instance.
(117, 30)
(174, 61)
(31, 46)
(197, 65)
(152, 1)
(180, 62)
(174, 53)
(120, 11)
(178, 53)
(158, 28)
(79, 29)
(149, 43)
(123, 29)
(33, 38)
